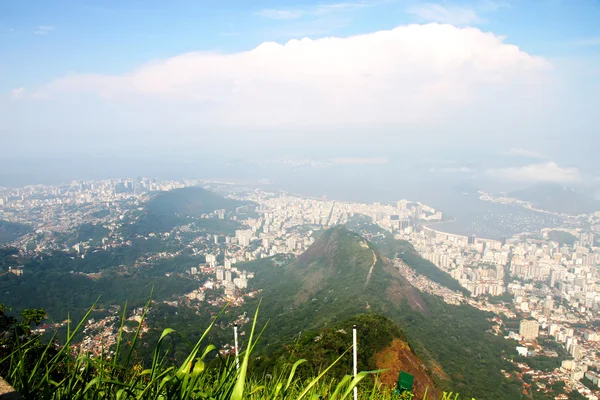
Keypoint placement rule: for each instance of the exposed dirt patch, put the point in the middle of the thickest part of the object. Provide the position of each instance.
(398, 357)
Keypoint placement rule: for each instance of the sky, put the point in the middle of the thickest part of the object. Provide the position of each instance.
(503, 89)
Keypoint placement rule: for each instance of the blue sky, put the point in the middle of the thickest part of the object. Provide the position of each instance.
(116, 36)
(117, 68)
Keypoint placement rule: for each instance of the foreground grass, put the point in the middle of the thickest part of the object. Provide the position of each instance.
(58, 374)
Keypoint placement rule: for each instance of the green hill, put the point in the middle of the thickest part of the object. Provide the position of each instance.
(381, 345)
(393, 248)
(339, 276)
(342, 274)
(10, 231)
(562, 237)
(189, 201)
(179, 206)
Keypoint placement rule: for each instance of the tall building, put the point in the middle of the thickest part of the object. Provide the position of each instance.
(230, 289)
(552, 278)
(220, 274)
(291, 243)
(266, 242)
(244, 240)
(228, 276)
(529, 329)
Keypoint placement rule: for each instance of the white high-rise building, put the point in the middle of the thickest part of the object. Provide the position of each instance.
(220, 274)
(244, 240)
(529, 329)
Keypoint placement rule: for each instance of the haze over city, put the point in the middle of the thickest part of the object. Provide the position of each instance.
(496, 90)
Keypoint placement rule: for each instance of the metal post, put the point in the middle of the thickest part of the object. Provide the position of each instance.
(235, 343)
(355, 359)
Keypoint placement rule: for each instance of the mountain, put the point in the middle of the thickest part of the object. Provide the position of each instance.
(189, 201)
(562, 237)
(342, 275)
(180, 206)
(393, 248)
(10, 231)
(557, 198)
(339, 276)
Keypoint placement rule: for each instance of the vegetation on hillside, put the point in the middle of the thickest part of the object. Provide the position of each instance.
(320, 290)
(393, 248)
(562, 237)
(168, 209)
(64, 283)
(376, 335)
(10, 231)
(469, 358)
(56, 373)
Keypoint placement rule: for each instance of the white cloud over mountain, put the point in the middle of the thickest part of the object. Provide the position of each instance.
(408, 75)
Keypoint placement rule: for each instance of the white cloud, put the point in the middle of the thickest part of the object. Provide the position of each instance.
(543, 172)
(455, 15)
(404, 75)
(18, 93)
(316, 11)
(359, 161)
(43, 30)
(280, 14)
(520, 152)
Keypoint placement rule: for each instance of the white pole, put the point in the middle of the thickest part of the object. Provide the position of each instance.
(235, 343)
(355, 359)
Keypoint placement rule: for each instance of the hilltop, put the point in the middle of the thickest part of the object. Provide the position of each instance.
(341, 261)
(189, 201)
(340, 275)
(381, 344)
(404, 251)
(168, 209)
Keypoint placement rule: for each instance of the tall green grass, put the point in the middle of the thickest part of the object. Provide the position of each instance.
(61, 375)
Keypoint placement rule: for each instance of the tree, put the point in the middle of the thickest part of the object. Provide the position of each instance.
(18, 339)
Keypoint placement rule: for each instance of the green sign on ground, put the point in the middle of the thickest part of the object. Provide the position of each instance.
(405, 382)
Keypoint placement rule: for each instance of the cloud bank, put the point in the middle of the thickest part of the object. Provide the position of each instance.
(43, 30)
(18, 93)
(549, 172)
(408, 75)
(520, 152)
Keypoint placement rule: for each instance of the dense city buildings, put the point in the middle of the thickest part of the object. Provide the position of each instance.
(548, 281)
